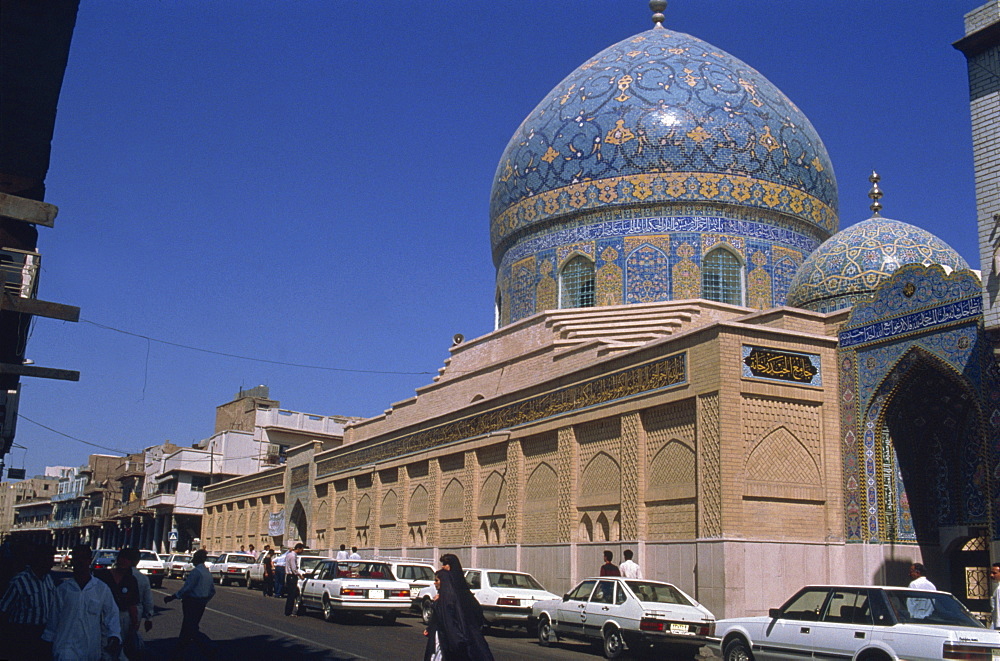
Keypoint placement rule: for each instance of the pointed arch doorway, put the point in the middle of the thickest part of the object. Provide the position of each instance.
(933, 490)
(297, 524)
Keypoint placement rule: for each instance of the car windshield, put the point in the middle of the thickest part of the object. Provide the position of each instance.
(148, 555)
(364, 570)
(241, 559)
(506, 579)
(659, 593)
(911, 606)
(181, 558)
(414, 573)
(308, 564)
(211, 558)
(100, 555)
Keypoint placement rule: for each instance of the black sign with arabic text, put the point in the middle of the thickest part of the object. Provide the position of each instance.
(770, 364)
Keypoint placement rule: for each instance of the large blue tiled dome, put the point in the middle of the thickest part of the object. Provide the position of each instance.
(662, 116)
(851, 264)
(661, 169)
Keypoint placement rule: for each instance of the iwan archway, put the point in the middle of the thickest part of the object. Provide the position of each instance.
(917, 423)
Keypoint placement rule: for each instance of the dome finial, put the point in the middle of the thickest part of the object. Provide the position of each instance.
(875, 193)
(658, 6)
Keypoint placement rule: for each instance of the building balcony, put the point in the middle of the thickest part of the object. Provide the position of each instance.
(131, 469)
(132, 508)
(162, 500)
(64, 523)
(64, 497)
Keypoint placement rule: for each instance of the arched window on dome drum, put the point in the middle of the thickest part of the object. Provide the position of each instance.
(576, 283)
(722, 277)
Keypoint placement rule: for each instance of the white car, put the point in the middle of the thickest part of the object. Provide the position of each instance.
(627, 615)
(353, 586)
(175, 564)
(864, 623)
(418, 573)
(189, 567)
(506, 596)
(231, 568)
(153, 567)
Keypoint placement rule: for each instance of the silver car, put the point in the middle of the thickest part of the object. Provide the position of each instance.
(627, 615)
(863, 623)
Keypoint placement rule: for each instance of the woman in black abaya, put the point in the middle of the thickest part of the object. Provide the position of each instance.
(457, 624)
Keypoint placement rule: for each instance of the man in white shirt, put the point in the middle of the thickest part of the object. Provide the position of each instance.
(342, 554)
(292, 576)
(995, 599)
(354, 554)
(919, 608)
(630, 568)
(84, 615)
(145, 595)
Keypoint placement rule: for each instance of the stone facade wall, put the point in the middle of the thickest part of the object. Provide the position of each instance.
(713, 463)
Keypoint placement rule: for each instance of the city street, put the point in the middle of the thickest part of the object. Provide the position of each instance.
(244, 626)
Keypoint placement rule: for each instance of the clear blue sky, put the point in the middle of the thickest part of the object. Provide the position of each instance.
(308, 182)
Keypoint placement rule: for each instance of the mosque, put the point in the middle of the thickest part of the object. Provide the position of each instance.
(690, 361)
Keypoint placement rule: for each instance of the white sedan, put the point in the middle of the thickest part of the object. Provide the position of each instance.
(626, 614)
(506, 596)
(359, 586)
(864, 623)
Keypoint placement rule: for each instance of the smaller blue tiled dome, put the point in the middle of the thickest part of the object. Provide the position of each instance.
(851, 264)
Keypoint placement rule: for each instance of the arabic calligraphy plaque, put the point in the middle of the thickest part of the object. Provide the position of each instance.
(786, 366)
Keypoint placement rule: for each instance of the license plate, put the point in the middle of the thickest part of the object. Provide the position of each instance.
(376, 594)
(678, 628)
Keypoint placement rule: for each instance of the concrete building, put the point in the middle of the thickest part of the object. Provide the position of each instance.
(14, 493)
(690, 360)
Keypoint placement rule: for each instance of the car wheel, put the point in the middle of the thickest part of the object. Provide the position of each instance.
(298, 607)
(614, 644)
(249, 583)
(546, 636)
(157, 585)
(737, 650)
(426, 610)
(389, 618)
(328, 613)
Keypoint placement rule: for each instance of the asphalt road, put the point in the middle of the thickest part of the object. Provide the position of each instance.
(243, 625)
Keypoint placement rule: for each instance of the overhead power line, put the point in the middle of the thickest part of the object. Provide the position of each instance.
(251, 358)
(74, 438)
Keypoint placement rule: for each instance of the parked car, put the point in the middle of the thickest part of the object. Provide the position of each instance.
(860, 622)
(359, 586)
(63, 557)
(506, 596)
(255, 572)
(209, 561)
(627, 614)
(153, 567)
(104, 558)
(418, 573)
(175, 564)
(230, 568)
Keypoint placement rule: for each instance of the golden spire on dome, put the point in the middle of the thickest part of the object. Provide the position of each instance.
(658, 6)
(875, 193)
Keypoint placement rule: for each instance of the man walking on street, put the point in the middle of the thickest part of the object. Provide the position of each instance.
(198, 589)
(342, 554)
(84, 615)
(26, 606)
(354, 553)
(630, 568)
(146, 611)
(609, 568)
(292, 576)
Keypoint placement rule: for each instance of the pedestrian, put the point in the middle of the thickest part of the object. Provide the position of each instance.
(292, 576)
(195, 594)
(919, 607)
(84, 621)
(26, 606)
(342, 554)
(432, 648)
(268, 562)
(609, 568)
(146, 610)
(251, 551)
(243, 549)
(279, 575)
(630, 568)
(458, 616)
(125, 589)
(995, 599)
(354, 554)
